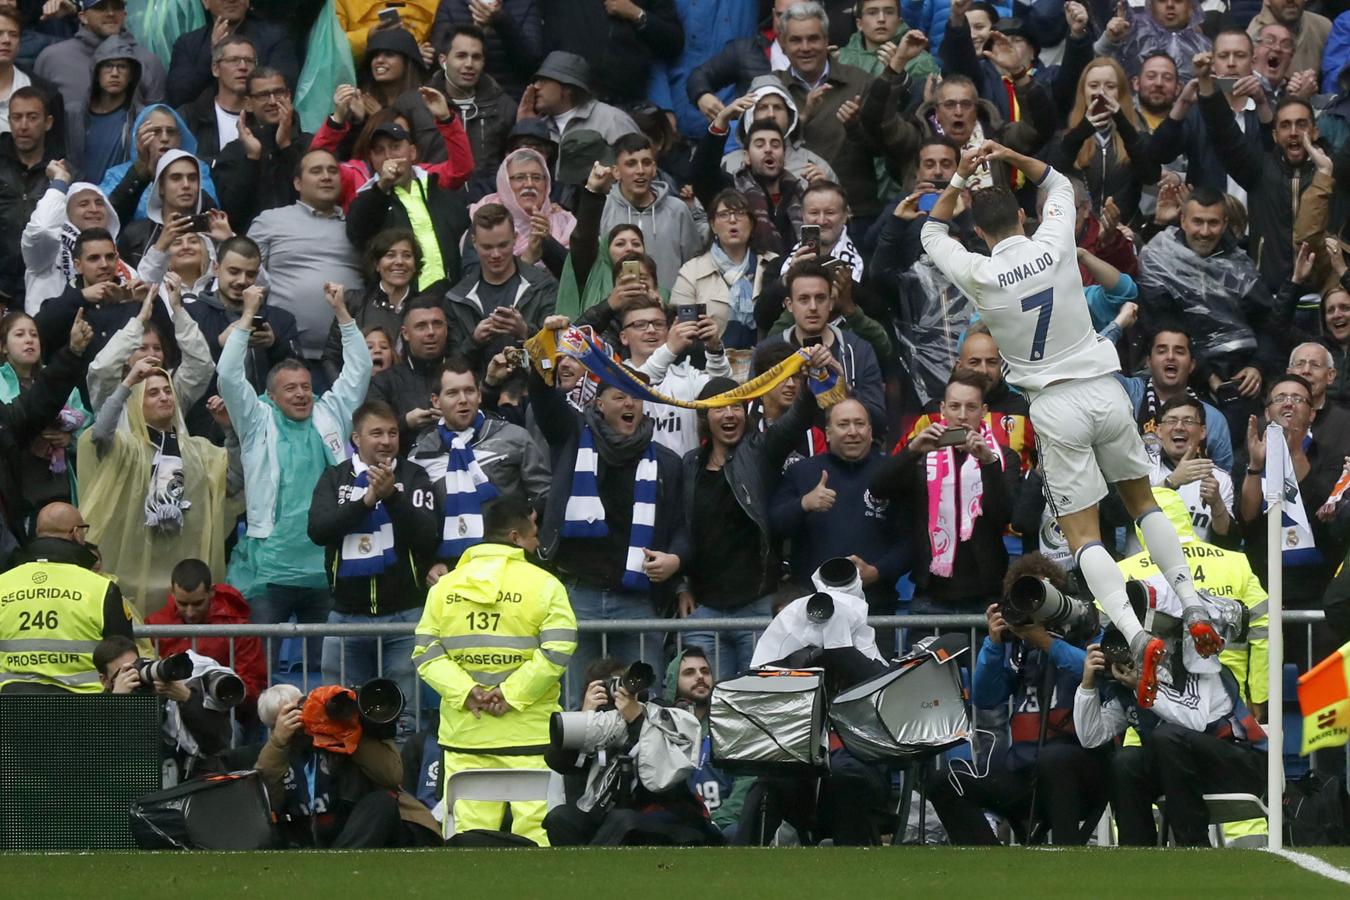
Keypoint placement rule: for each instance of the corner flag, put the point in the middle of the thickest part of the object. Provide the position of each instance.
(1324, 697)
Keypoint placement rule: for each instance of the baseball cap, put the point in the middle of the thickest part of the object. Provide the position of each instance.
(391, 129)
(90, 4)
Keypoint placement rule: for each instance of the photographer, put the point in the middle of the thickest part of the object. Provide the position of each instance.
(331, 781)
(197, 725)
(636, 756)
(1046, 774)
(1196, 739)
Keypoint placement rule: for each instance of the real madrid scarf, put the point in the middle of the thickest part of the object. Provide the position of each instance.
(584, 516)
(466, 490)
(547, 346)
(369, 550)
(1297, 545)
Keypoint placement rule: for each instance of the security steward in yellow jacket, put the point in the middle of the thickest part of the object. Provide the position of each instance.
(1223, 573)
(495, 637)
(54, 610)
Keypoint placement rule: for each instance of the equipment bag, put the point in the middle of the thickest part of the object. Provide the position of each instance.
(214, 812)
(1316, 811)
(770, 721)
(914, 709)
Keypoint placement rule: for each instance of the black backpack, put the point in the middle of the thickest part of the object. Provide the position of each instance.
(1316, 811)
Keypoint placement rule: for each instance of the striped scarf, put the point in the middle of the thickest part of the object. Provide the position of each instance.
(368, 551)
(585, 513)
(466, 490)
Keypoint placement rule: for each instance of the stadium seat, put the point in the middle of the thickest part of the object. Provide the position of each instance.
(496, 785)
(1223, 808)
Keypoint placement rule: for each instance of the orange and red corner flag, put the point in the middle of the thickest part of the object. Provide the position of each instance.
(1324, 698)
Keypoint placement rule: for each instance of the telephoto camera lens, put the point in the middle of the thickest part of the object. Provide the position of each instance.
(177, 667)
(820, 607)
(225, 688)
(380, 700)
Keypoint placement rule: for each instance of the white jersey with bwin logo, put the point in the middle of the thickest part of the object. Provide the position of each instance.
(1030, 294)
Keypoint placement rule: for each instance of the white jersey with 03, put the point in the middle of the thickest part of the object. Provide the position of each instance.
(1030, 294)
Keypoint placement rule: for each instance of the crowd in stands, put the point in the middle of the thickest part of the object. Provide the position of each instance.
(267, 270)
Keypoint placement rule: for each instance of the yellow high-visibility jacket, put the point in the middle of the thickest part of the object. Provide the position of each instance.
(496, 620)
(1226, 573)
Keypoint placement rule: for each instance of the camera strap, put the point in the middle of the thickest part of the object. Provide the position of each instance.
(1045, 695)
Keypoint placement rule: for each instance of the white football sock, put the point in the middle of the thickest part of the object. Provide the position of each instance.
(1165, 547)
(1107, 582)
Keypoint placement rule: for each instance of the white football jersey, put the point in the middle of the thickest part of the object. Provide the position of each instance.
(1030, 294)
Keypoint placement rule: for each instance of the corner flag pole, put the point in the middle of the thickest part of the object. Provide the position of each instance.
(1274, 494)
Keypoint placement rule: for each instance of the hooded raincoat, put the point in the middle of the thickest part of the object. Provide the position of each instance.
(560, 221)
(118, 468)
(123, 184)
(48, 240)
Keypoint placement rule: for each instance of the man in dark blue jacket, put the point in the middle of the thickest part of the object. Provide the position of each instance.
(825, 507)
(190, 65)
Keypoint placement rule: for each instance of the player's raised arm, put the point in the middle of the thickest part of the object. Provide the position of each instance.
(945, 251)
(1057, 215)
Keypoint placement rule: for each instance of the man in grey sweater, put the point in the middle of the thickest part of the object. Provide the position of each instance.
(305, 245)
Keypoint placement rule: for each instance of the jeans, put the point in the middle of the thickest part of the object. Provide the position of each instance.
(728, 652)
(595, 604)
(353, 661)
(278, 603)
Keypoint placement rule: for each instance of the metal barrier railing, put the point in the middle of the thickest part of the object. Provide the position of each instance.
(648, 630)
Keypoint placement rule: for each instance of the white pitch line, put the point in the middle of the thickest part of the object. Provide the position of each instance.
(1314, 865)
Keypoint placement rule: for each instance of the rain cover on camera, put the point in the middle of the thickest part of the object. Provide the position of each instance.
(217, 812)
(1207, 293)
(770, 721)
(916, 708)
(935, 314)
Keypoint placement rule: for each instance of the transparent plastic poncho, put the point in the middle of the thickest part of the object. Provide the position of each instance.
(934, 317)
(1208, 292)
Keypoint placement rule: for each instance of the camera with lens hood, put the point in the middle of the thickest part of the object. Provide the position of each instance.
(568, 730)
(1032, 600)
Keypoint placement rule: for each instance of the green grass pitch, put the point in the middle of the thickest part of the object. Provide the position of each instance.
(674, 874)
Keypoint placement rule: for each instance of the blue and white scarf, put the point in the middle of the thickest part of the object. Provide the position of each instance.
(585, 513)
(466, 490)
(369, 550)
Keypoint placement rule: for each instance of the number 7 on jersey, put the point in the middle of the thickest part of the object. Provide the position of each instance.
(1045, 302)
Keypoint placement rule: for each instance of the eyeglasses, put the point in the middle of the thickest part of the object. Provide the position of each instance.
(953, 105)
(238, 61)
(731, 215)
(163, 130)
(82, 529)
(1271, 41)
(646, 325)
(527, 178)
(273, 94)
(1281, 399)
(1309, 364)
(1174, 421)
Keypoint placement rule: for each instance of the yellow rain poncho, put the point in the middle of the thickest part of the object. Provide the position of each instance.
(113, 490)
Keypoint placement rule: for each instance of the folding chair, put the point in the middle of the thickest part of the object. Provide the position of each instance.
(493, 785)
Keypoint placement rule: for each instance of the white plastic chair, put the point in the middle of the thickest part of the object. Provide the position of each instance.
(493, 785)
(1232, 808)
